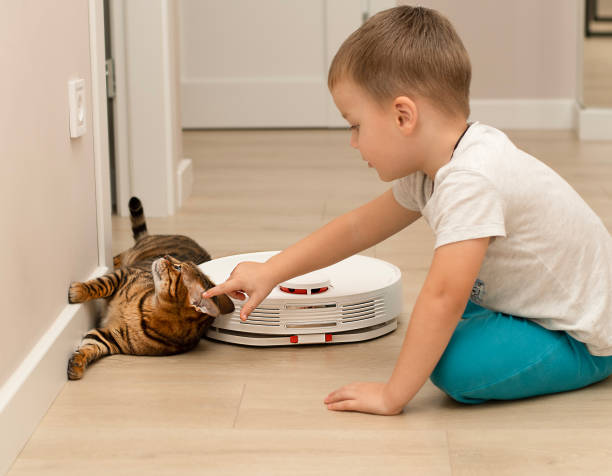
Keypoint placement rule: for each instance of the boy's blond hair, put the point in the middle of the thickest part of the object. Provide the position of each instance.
(407, 51)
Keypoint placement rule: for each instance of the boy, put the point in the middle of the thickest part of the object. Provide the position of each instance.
(512, 237)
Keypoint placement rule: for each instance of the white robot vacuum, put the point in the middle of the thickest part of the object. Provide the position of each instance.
(356, 299)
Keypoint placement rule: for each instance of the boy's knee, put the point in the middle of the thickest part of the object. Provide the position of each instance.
(454, 393)
(452, 378)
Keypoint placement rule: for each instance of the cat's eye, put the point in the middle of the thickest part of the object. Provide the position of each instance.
(177, 267)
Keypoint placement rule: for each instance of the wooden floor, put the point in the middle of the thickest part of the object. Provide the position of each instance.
(231, 410)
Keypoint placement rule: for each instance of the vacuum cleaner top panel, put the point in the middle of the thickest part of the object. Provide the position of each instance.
(354, 275)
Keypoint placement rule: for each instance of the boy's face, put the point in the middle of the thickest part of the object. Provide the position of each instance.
(374, 132)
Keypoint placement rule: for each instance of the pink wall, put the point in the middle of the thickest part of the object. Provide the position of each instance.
(520, 49)
(47, 197)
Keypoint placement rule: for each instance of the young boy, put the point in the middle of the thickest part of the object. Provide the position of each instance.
(512, 237)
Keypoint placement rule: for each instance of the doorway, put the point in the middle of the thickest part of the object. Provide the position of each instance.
(110, 96)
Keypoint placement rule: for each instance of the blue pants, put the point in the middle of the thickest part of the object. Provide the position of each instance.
(494, 356)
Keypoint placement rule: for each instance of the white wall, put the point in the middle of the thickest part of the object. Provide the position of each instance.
(522, 49)
(524, 60)
(48, 205)
(255, 64)
(263, 64)
(49, 234)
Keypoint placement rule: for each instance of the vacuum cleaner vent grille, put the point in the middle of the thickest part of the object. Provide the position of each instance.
(261, 316)
(363, 310)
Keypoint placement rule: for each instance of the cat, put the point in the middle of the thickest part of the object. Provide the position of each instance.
(154, 299)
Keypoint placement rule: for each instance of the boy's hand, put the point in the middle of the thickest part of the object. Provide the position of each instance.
(366, 397)
(247, 278)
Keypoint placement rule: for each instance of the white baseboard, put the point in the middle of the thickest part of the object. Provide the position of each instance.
(29, 392)
(500, 113)
(525, 113)
(184, 176)
(595, 124)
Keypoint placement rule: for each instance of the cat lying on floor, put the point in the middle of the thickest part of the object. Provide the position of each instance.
(154, 299)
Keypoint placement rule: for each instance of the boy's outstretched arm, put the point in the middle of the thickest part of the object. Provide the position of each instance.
(436, 313)
(342, 237)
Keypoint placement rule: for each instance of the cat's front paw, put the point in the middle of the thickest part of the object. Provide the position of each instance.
(77, 293)
(76, 366)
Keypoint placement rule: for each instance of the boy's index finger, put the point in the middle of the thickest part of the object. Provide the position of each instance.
(214, 291)
(226, 287)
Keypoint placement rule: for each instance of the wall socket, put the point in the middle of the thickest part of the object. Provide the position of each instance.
(78, 109)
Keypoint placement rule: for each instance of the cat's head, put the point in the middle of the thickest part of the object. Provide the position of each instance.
(179, 285)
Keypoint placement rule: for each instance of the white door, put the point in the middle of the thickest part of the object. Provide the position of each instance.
(248, 64)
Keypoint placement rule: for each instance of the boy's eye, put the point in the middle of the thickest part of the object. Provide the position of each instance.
(354, 128)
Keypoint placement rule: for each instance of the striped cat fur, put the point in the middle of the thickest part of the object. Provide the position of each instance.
(153, 299)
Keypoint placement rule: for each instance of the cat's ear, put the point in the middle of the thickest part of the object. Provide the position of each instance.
(213, 307)
(195, 290)
(225, 304)
(207, 306)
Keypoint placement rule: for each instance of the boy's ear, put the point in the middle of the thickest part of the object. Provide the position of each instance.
(406, 113)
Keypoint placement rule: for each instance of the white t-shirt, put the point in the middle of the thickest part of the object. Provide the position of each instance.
(550, 258)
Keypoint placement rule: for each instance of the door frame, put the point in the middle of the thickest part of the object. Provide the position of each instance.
(100, 133)
(593, 123)
(120, 109)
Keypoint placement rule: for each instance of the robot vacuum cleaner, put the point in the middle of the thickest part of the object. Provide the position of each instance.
(356, 299)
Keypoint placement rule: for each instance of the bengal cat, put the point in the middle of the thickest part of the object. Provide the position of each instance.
(153, 299)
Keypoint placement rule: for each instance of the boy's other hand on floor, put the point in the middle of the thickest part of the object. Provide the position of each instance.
(365, 397)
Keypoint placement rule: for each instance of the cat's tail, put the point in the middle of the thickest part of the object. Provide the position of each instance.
(139, 224)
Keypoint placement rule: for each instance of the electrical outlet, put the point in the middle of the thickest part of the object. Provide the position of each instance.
(78, 110)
